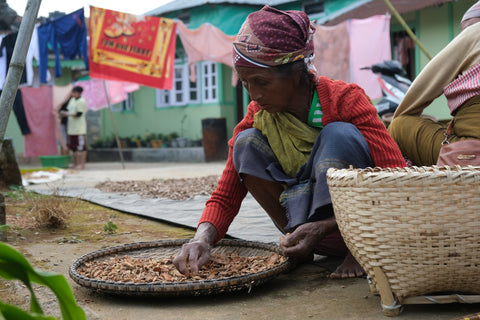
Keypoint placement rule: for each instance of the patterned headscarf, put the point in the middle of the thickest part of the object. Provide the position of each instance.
(270, 37)
(472, 12)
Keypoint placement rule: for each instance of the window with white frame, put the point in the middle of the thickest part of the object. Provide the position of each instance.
(126, 105)
(210, 86)
(186, 92)
(117, 107)
(193, 87)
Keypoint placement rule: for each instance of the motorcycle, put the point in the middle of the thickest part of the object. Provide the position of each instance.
(393, 82)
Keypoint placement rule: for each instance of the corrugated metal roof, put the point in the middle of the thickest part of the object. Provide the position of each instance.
(184, 4)
(360, 9)
(71, 64)
(375, 7)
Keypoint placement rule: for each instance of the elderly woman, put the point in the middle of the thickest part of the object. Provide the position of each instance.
(455, 73)
(297, 126)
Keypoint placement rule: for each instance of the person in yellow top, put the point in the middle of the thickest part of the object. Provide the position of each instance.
(77, 127)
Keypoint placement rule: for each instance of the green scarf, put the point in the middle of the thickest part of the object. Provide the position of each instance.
(290, 139)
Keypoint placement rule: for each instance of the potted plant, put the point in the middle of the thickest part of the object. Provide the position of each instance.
(155, 139)
(171, 139)
(97, 144)
(138, 141)
(109, 142)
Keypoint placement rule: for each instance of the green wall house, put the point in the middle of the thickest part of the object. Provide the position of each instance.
(182, 109)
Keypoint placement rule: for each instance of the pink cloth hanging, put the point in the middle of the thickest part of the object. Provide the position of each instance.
(38, 110)
(207, 42)
(332, 51)
(369, 44)
(94, 92)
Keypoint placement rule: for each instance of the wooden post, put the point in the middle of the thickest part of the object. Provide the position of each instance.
(14, 74)
(113, 124)
(407, 29)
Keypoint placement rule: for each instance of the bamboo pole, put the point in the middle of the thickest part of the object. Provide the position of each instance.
(10, 87)
(113, 124)
(407, 29)
(17, 64)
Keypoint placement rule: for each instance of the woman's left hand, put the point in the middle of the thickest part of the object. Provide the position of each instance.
(300, 243)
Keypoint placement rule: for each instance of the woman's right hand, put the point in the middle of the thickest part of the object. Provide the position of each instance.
(194, 254)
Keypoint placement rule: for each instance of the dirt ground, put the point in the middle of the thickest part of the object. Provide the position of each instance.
(304, 293)
(54, 249)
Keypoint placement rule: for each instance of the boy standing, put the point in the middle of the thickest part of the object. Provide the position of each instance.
(77, 127)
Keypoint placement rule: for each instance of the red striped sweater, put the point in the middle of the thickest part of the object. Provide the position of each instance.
(339, 102)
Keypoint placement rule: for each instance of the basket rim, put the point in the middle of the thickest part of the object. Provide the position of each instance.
(425, 175)
(183, 288)
(413, 169)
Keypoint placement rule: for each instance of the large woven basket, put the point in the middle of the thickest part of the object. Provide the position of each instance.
(417, 228)
(168, 248)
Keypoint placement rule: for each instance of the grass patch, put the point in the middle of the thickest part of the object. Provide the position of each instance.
(48, 211)
(52, 211)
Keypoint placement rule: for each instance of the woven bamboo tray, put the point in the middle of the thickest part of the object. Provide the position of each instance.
(167, 248)
(473, 316)
(415, 231)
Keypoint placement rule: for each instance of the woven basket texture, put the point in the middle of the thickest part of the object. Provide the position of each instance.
(166, 249)
(474, 316)
(420, 225)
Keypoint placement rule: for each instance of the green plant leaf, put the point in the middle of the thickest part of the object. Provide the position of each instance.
(13, 265)
(9, 312)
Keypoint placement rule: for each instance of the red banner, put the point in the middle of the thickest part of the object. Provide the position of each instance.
(132, 48)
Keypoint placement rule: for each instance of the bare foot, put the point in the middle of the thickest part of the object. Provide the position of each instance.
(349, 268)
(79, 167)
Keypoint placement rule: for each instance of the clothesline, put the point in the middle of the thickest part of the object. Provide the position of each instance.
(340, 51)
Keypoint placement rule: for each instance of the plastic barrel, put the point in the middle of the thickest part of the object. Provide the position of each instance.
(214, 139)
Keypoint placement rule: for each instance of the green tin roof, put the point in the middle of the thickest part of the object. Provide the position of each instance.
(72, 64)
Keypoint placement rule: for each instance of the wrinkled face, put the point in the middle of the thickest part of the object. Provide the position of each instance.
(469, 22)
(272, 92)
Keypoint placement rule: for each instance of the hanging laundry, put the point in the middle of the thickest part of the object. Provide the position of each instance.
(67, 34)
(8, 42)
(46, 35)
(126, 47)
(369, 44)
(19, 111)
(3, 63)
(207, 42)
(342, 50)
(32, 53)
(38, 109)
(94, 92)
(6, 53)
(332, 51)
